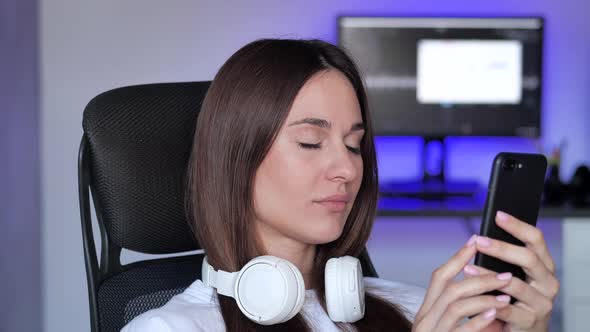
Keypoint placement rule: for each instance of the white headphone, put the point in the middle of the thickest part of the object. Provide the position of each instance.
(270, 290)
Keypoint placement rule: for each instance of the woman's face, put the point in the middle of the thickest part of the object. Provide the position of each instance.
(306, 185)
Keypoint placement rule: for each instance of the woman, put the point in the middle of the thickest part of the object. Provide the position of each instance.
(284, 164)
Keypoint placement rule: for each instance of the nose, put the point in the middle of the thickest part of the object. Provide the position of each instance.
(343, 165)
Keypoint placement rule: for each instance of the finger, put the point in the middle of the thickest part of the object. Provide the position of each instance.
(529, 234)
(495, 326)
(446, 272)
(464, 289)
(517, 288)
(518, 255)
(478, 322)
(471, 306)
(532, 298)
(470, 271)
(517, 316)
(549, 287)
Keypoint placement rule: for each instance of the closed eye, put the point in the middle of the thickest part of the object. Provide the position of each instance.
(354, 150)
(310, 146)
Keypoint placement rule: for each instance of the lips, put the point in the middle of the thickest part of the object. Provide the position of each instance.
(334, 203)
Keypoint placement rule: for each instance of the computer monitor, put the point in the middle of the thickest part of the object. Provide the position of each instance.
(449, 76)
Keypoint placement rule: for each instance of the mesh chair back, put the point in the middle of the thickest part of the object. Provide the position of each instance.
(140, 139)
(134, 155)
(143, 287)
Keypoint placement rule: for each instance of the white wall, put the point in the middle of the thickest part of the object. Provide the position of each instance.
(88, 47)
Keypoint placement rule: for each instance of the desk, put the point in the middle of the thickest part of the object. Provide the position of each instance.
(575, 239)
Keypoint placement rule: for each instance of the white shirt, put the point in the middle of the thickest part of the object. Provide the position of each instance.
(196, 309)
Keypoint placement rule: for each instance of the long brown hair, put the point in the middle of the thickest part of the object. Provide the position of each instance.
(244, 109)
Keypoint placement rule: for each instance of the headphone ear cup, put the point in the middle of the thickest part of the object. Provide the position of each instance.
(269, 290)
(345, 290)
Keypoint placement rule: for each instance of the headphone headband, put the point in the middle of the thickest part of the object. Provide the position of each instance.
(224, 282)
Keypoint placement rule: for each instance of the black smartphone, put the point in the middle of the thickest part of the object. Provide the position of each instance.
(515, 187)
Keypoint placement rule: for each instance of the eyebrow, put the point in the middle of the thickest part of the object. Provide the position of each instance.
(325, 124)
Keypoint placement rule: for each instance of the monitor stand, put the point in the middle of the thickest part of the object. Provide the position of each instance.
(431, 186)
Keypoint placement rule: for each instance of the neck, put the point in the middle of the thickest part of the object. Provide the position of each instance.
(302, 255)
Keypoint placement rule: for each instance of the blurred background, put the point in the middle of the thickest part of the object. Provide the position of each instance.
(56, 55)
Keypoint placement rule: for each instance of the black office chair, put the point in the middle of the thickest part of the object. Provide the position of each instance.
(133, 158)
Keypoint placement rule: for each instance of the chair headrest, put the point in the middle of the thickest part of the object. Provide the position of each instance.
(139, 140)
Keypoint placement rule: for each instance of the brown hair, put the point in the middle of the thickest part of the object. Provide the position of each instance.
(244, 109)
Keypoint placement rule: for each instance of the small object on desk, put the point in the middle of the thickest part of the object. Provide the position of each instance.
(579, 187)
(555, 191)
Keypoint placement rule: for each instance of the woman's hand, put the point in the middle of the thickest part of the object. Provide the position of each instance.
(536, 294)
(448, 302)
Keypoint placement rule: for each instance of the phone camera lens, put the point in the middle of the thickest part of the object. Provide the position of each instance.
(509, 165)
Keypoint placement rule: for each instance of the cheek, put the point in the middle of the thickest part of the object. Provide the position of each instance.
(356, 183)
(283, 184)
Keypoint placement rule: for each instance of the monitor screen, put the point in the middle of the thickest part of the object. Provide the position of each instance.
(439, 77)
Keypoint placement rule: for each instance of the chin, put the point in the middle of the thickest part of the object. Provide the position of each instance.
(328, 233)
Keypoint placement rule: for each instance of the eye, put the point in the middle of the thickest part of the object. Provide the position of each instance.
(354, 150)
(309, 146)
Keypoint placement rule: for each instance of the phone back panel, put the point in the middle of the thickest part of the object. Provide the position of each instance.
(516, 191)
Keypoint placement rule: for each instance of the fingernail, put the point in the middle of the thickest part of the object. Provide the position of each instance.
(490, 313)
(504, 276)
(502, 217)
(483, 241)
(503, 298)
(469, 269)
(471, 241)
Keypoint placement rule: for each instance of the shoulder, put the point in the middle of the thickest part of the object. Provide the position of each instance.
(409, 297)
(193, 310)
